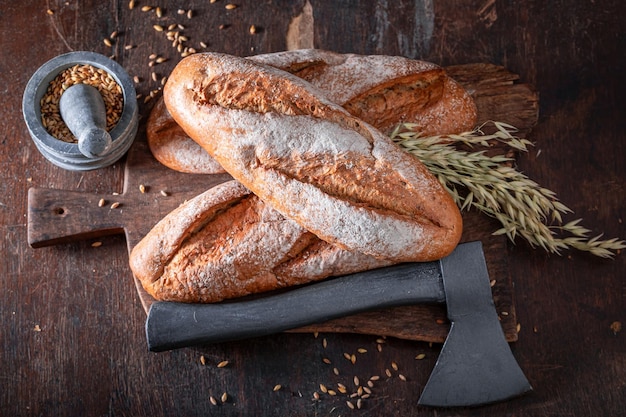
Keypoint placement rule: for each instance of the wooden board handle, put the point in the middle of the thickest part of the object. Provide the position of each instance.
(61, 216)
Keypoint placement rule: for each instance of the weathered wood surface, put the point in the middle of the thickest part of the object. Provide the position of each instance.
(72, 340)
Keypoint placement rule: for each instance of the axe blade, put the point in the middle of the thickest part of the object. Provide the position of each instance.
(476, 365)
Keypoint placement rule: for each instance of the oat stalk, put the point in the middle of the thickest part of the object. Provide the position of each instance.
(494, 187)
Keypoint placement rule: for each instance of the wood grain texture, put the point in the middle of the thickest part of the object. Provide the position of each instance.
(72, 340)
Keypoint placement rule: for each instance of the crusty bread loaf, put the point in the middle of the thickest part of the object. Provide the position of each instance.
(171, 146)
(227, 243)
(381, 90)
(309, 159)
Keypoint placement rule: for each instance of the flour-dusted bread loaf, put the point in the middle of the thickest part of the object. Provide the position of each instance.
(227, 243)
(381, 90)
(310, 160)
(171, 146)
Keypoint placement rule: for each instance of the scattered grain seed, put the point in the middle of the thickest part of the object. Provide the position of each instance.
(316, 395)
(222, 364)
(353, 359)
(222, 26)
(131, 4)
(365, 396)
(505, 313)
(96, 244)
(492, 283)
(113, 34)
(374, 378)
(102, 202)
(189, 14)
(324, 343)
(252, 29)
(154, 76)
(146, 8)
(142, 188)
(202, 360)
(50, 12)
(161, 60)
(394, 366)
(440, 321)
(332, 392)
(128, 47)
(362, 350)
(224, 397)
(518, 327)
(326, 361)
(359, 403)
(335, 371)
(213, 400)
(323, 388)
(107, 42)
(370, 384)
(379, 340)
(164, 193)
(136, 79)
(346, 355)
(230, 6)
(350, 405)
(158, 28)
(277, 387)
(152, 56)
(402, 377)
(159, 12)
(356, 381)
(203, 44)
(615, 327)
(420, 356)
(359, 391)
(388, 373)
(379, 347)
(342, 388)
(181, 27)
(115, 205)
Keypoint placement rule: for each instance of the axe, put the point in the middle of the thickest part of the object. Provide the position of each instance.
(475, 366)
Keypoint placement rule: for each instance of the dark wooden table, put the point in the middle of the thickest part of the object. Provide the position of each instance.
(71, 336)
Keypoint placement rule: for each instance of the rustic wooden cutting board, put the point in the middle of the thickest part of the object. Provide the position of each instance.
(62, 216)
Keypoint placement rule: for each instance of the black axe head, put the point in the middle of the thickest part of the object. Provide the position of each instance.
(476, 365)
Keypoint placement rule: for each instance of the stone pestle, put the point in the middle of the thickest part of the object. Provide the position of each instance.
(83, 111)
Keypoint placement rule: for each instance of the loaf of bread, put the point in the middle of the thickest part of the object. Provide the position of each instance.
(171, 146)
(311, 161)
(381, 90)
(227, 243)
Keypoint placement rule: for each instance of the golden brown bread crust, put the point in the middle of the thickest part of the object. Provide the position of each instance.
(381, 90)
(313, 162)
(227, 243)
(171, 146)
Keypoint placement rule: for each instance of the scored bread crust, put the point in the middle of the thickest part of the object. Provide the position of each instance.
(227, 243)
(313, 162)
(384, 91)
